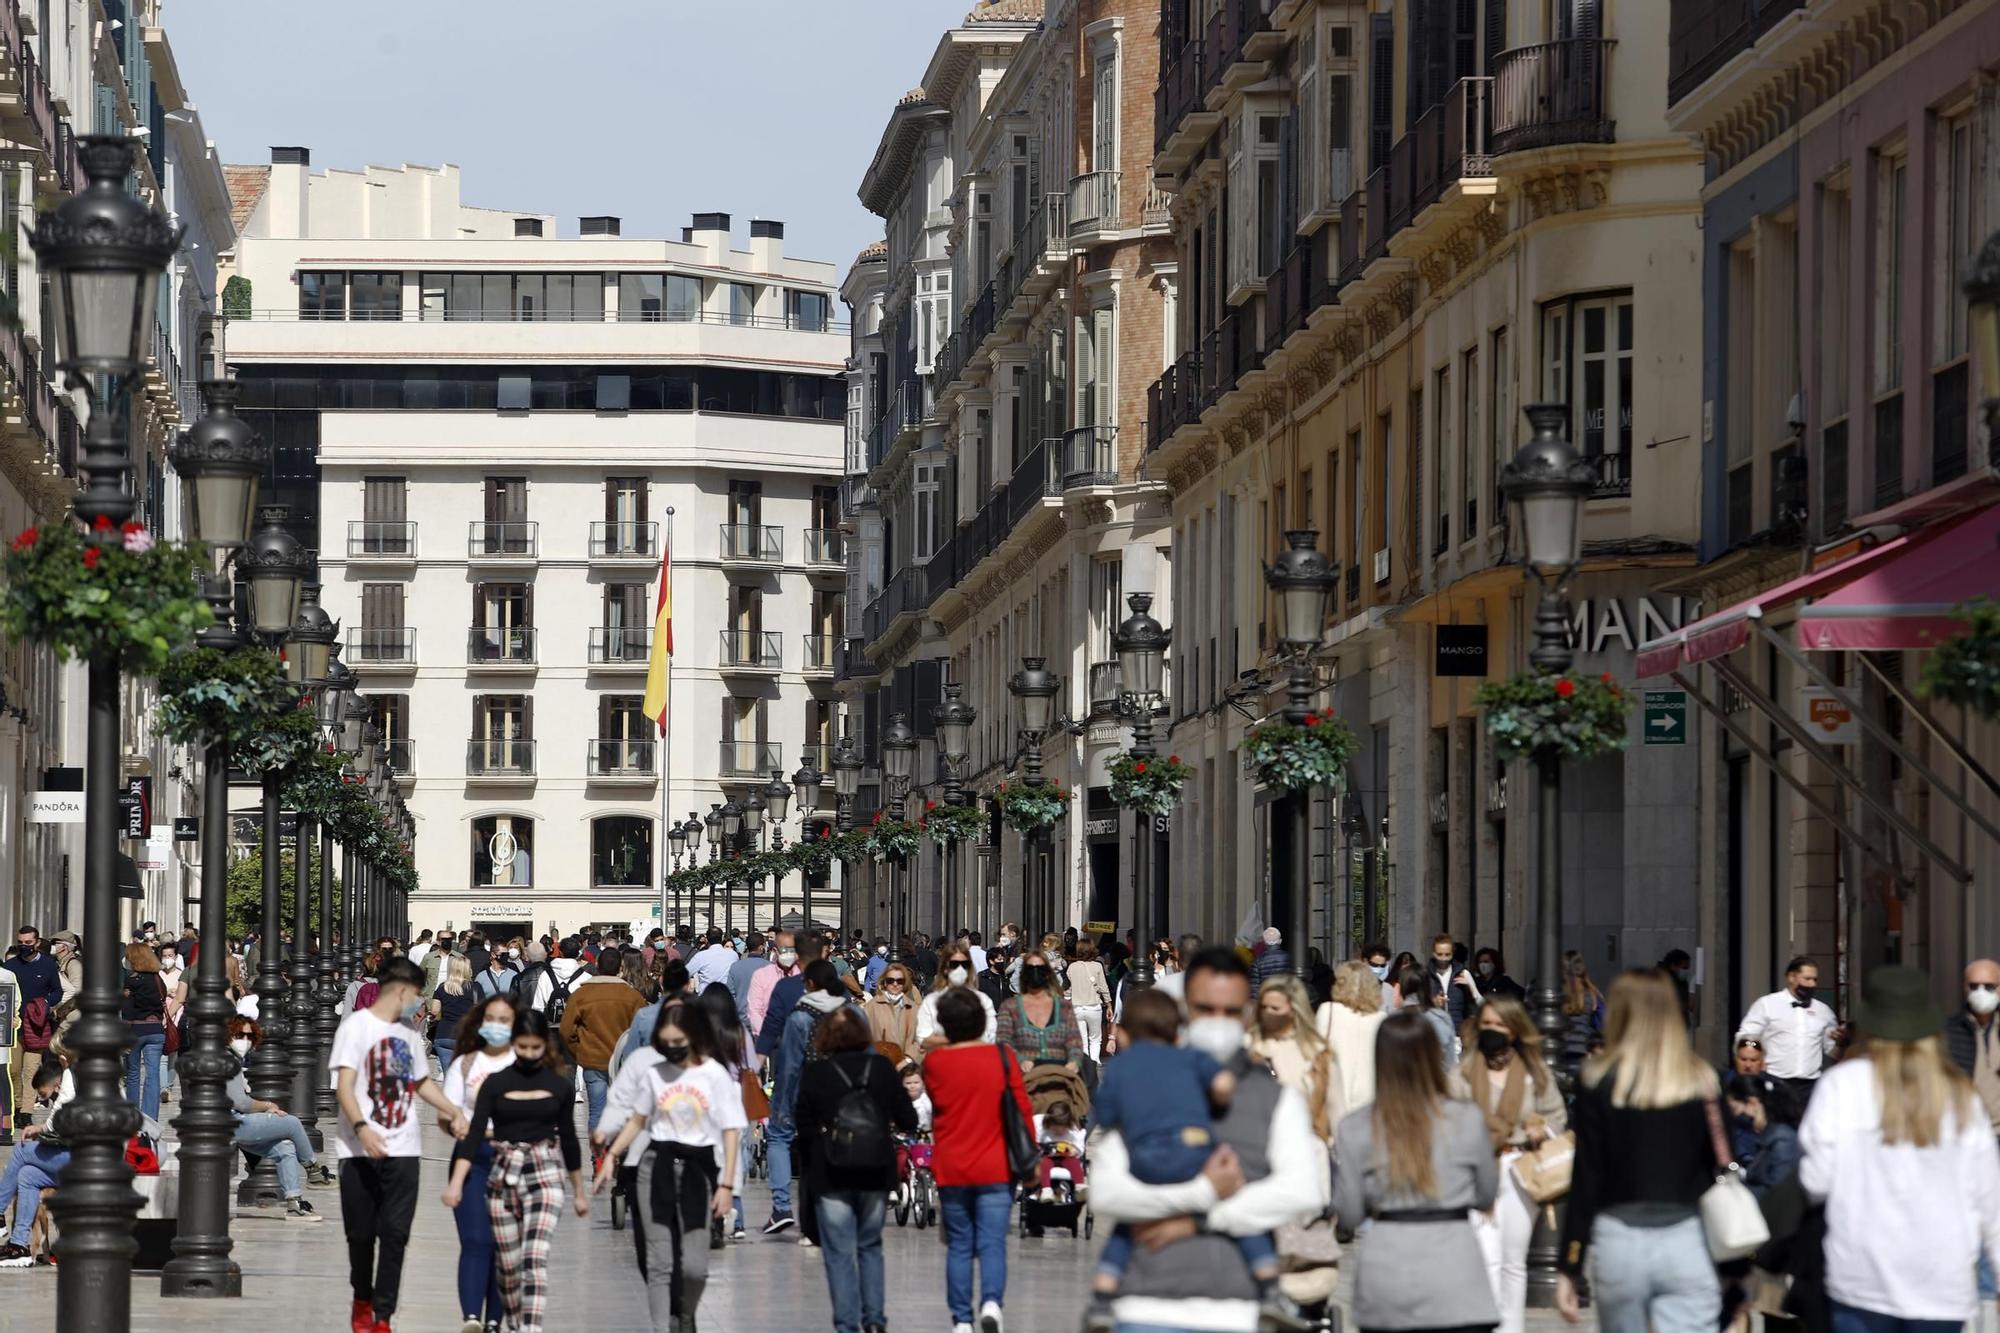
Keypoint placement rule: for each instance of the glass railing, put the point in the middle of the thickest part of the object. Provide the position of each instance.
(624, 541)
(500, 645)
(620, 758)
(507, 541)
(500, 758)
(620, 646)
(372, 539)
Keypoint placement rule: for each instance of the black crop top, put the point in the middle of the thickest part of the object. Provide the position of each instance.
(524, 1119)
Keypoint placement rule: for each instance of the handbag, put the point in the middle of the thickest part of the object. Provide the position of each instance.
(172, 1044)
(756, 1103)
(1024, 1155)
(1729, 1212)
(1544, 1173)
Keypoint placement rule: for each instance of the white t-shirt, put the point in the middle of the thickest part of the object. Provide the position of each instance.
(1072, 1136)
(696, 1107)
(420, 952)
(927, 1020)
(462, 1079)
(247, 1006)
(389, 1062)
(631, 1094)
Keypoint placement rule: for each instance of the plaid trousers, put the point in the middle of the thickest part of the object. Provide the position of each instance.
(524, 1196)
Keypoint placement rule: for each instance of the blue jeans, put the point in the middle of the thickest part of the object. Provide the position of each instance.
(142, 1067)
(1660, 1276)
(596, 1087)
(975, 1223)
(850, 1237)
(778, 1133)
(32, 1168)
(282, 1139)
(446, 1048)
(478, 1275)
(1847, 1319)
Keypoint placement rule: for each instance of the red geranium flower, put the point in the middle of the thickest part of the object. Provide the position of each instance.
(91, 555)
(930, 805)
(1313, 720)
(1173, 759)
(1139, 767)
(131, 526)
(1565, 688)
(1606, 678)
(28, 537)
(101, 524)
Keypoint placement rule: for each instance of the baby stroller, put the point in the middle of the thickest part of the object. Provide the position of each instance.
(916, 1195)
(1064, 1203)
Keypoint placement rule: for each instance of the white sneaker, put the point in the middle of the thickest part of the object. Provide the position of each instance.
(808, 1243)
(989, 1317)
(961, 1328)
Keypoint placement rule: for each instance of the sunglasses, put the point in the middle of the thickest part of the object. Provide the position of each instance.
(1982, 985)
(1751, 1042)
(892, 981)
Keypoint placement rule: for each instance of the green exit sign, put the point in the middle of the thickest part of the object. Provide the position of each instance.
(1665, 717)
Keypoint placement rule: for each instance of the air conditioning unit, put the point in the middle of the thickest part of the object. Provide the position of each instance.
(1382, 565)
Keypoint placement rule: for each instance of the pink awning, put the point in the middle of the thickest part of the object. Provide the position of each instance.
(1725, 631)
(1908, 602)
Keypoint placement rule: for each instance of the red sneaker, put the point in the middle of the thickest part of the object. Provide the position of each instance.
(382, 1326)
(361, 1319)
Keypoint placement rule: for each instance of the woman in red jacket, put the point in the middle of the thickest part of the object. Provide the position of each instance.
(967, 1077)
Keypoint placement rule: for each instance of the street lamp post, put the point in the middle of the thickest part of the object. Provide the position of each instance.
(899, 757)
(354, 717)
(1034, 687)
(777, 804)
(677, 841)
(1302, 578)
(219, 460)
(753, 841)
(308, 662)
(332, 704)
(807, 782)
(953, 719)
(1141, 644)
(103, 251)
(713, 822)
(847, 766)
(732, 831)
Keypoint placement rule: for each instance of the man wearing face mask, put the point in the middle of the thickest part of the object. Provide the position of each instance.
(877, 961)
(822, 994)
(1797, 1029)
(263, 1129)
(764, 981)
(1972, 1038)
(1269, 1169)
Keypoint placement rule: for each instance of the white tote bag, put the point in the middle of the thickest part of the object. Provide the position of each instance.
(1729, 1212)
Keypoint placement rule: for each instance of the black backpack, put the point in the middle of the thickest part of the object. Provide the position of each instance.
(558, 996)
(857, 1138)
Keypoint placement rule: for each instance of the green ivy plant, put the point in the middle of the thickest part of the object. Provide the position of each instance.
(236, 298)
(892, 839)
(113, 590)
(1027, 809)
(948, 825)
(1295, 757)
(1965, 669)
(1152, 785)
(237, 696)
(1570, 715)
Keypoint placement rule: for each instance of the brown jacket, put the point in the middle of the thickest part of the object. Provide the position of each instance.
(596, 1017)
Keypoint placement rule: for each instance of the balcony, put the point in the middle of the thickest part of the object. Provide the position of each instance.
(1452, 141)
(751, 760)
(1040, 248)
(1093, 205)
(1614, 475)
(750, 650)
(370, 648)
(1290, 294)
(752, 544)
(614, 542)
(1182, 84)
(618, 761)
(1090, 457)
(1174, 400)
(28, 111)
(941, 572)
(400, 758)
(512, 543)
(948, 362)
(1103, 680)
(500, 761)
(820, 652)
(1375, 211)
(894, 600)
(826, 547)
(1705, 35)
(382, 543)
(620, 648)
(979, 320)
(1552, 93)
(500, 648)
(1353, 230)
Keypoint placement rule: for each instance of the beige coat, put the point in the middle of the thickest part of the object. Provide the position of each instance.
(1543, 1105)
(1352, 1036)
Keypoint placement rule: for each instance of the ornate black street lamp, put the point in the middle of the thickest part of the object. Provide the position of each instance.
(1547, 485)
(308, 660)
(102, 251)
(1034, 688)
(847, 766)
(1141, 644)
(1303, 579)
(807, 781)
(899, 759)
(219, 460)
(752, 841)
(732, 828)
(777, 804)
(953, 718)
(332, 704)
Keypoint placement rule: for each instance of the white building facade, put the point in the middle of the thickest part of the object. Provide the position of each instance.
(492, 435)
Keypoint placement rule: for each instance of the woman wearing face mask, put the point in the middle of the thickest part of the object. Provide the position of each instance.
(1288, 1042)
(172, 975)
(735, 1053)
(1348, 1022)
(531, 1107)
(954, 973)
(263, 1129)
(1504, 1076)
(1038, 1024)
(1091, 991)
(485, 1047)
(1489, 969)
(693, 1107)
(892, 1009)
(1766, 1148)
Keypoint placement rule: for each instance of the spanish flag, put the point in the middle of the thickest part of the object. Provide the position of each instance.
(655, 702)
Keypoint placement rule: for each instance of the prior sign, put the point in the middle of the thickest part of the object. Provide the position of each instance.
(1665, 717)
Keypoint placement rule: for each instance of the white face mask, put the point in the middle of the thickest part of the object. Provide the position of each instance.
(1218, 1037)
(240, 1045)
(958, 974)
(786, 957)
(1982, 1002)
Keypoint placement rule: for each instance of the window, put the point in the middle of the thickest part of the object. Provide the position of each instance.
(807, 310)
(1357, 522)
(322, 296)
(384, 526)
(621, 852)
(1836, 226)
(1096, 389)
(627, 627)
(1468, 441)
(391, 714)
(1587, 363)
(742, 302)
(1950, 377)
(503, 851)
(376, 295)
(1891, 174)
(503, 619)
(1104, 113)
(1384, 450)
(928, 529)
(1256, 205)
(1107, 575)
(1501, 395)
(383, 638)
(503, 730)
(1441, 454)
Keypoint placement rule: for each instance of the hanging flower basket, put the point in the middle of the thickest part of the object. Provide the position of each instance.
(851, 845)
(1027, 809)
(117, 591)
(949, 825)
(313, 786)
(1570, 715)
(811, 856)
(1152, 786)
(241, 698)
(892, 839)
(1965, 669)
(1296, 757)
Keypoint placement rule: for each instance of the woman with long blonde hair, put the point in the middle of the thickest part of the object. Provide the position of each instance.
(1900, 1148)
(1647, 1125)
(1349, 1020)
(448, 1006)
(1286, 1040)
(1415, 1163)
(1582, 1006)
(1504, 1075)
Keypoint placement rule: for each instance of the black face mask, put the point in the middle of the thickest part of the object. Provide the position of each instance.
(676, 1052)
(1035, 978)
(1806, 994)
(1491, 1043)
(527, 1066)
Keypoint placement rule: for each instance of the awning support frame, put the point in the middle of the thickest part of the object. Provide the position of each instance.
(1795, 729)
(1915, 708)
(1873, 727)
(1819, 804)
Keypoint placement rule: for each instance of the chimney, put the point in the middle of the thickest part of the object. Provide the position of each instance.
(527, 226)
(289, 214)
(767, 244)
(711, 232)
(604, 225)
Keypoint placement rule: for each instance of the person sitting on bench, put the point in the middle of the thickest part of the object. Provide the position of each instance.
(265, 1129)
(37, 1163)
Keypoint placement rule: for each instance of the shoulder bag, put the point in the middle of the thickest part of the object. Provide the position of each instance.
(1729, 1212)
(173, 1028)
(1544, 1172)
(1024, 1155)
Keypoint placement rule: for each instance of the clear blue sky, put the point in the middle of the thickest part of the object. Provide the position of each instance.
(647, 109)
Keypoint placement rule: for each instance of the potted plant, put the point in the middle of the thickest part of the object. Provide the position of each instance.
(1313, 754)
(949, 824)
(1029, 808)
(114, 590)
(1570, 715)
(1151, 786)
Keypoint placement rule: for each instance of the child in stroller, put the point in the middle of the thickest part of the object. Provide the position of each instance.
(1059, 1198)
(1064, 1175)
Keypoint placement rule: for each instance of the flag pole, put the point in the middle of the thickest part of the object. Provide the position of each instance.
(666, 743)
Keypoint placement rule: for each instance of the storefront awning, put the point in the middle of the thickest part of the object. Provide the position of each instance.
(1909, 601)
(1723, 632)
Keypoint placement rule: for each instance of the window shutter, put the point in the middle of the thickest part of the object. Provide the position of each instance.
(527, 716)
(607, 717)
(1313, 192)
(728, 719)
(1416, 64)
(1496, 33)
(1465, 42)
(763, 726)
(1242, 241)
(479, 732)
(478, 605)
(1382, 89)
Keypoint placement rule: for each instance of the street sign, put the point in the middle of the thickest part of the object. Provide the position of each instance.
(1831, 721)
(56, 807)
(1664, 718)
(187, 829)
(136, 803)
